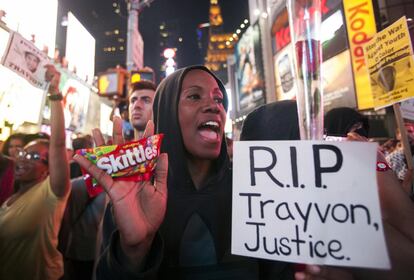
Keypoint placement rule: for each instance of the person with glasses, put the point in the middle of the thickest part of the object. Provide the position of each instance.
(30, 219)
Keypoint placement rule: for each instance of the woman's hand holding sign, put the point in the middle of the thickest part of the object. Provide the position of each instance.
(398, 216)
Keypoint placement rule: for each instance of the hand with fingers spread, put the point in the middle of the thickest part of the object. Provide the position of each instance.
(138, 207)
(194, 241)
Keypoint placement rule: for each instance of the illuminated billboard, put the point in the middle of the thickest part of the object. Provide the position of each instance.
(361, 28)
(337, 82)
(80, 49)
(34, 20)
(105, 124)
(338, 85)
(20, 102)
(75, 101)
(250, 88)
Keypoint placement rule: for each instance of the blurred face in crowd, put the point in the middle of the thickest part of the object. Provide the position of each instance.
(125, 115)
(140, 108)
(410, 132)
(15, 145)
(32, 163)
(201, 115)
(286, 75)
(32, 62)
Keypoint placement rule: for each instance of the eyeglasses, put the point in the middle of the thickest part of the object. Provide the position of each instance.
(34, 156)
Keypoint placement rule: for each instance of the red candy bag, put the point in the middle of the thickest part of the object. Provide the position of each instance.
(132, 161)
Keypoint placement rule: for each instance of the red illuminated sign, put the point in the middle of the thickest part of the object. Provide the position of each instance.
(281, 30)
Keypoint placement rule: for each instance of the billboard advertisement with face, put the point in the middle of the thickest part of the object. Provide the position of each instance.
(284, 74)
(249, 71)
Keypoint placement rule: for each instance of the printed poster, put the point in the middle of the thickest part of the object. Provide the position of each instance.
(22, 57)
(389, 57)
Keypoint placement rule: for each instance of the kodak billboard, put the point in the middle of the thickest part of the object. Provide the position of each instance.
(360, 21)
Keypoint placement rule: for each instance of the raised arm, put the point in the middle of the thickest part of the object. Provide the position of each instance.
(58, 162)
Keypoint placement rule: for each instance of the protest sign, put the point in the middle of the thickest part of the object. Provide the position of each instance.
(389, 57)
(22, 57)
(309, 202)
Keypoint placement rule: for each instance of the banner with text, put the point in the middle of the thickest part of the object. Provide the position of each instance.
(360, 21)
(311, 202)
(389, 57)
(22, 57)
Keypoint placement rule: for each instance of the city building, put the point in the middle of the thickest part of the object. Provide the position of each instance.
(168, 38)
(220, 44)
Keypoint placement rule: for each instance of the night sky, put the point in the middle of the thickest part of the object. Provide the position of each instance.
(98, 16)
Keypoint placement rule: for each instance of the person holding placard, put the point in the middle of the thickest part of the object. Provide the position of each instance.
(192, 240)
(30, 219)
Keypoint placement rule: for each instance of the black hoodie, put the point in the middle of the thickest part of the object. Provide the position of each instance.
(195, 238)
(273, 121)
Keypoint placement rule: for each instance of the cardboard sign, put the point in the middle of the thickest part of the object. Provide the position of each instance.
(22, 57)
(389, 57)
(313, 202)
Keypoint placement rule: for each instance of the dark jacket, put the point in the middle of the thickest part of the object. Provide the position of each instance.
(194, 240)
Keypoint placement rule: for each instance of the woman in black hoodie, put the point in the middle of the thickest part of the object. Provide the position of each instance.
(192, 241)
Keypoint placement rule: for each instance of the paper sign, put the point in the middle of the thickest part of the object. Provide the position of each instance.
(389, 57)
(23, 58)
(313, 202)
(407, 109)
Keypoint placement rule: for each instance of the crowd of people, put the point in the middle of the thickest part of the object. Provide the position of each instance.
(177, 225)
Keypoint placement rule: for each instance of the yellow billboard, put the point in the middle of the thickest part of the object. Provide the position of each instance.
(389, 57)
(361, 28)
